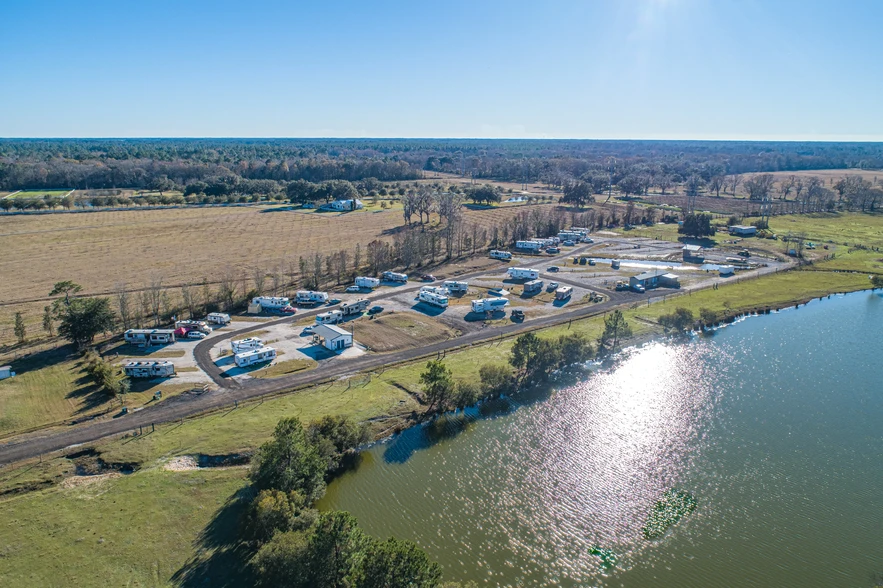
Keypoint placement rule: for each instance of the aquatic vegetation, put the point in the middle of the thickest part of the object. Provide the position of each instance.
(608, 558)
(668, 510)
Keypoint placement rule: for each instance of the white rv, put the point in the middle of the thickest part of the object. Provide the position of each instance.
(149, 336)
(329, 318)
(311, 297)
(394, 277)
(563, 293)
(247, 358)
(433, 298)
(456, 287)
(434, 289)
(247, 344)
(522, 273)
(489, 304)
(533, 287)
(530, 245)
(218, 318)
(366, 282)
(271, 302)
(149, 369)
(355, 307)
(503, 255)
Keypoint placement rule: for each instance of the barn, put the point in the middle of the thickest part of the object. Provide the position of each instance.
(334, 337)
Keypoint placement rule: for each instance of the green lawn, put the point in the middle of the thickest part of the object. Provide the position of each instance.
(40, 193)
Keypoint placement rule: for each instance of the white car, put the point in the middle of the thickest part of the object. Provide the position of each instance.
(353, 289)
(308, 329)
(196, 335)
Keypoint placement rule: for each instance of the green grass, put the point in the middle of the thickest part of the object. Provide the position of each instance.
(135, 530)
(283, 368)
(39, 193)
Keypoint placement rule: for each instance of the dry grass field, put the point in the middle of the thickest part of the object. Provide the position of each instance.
(101, 249)
(401, 330)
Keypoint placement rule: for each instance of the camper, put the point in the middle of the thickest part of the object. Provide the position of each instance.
(502, 255)
(456, 287)
(563, 293)
(355, 307)
(726, 270)
(570, 236)
(149, 336)
(366, 282)
(435, 290)
(247, 344)
(271, 302)
(311, 297)
(247, 358)
(200, 326)
(329, 318)
(489, 304)
(433, 298)
(531, 245)
(218, 318)
(533, 287)
(149, 369)
(395, 277)
(522, 273)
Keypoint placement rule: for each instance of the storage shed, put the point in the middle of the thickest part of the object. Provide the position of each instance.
(743, 230)
(6, 372)
(334, 337)
(655, 279)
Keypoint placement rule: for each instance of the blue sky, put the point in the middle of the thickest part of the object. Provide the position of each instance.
(679, 69)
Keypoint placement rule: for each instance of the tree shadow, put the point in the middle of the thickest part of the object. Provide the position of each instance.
(221, 558)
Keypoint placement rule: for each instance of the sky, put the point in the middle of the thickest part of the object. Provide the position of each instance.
(615, 69)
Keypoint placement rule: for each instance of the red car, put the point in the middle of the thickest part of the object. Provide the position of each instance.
(427, 278)
(288, 310)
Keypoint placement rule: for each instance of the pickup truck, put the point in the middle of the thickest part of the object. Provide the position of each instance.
(517, 315)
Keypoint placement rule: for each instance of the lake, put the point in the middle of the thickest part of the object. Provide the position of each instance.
(773, 424)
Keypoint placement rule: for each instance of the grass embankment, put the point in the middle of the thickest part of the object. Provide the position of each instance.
(283, 368)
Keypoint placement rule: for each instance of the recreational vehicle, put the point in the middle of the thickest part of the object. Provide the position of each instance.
(271, 302)
(456, 287)
(433, 298)
(311, 297)
(489, 304)
(395, 277)
(533, 287)
(503, 255)
(366, 282)
(355, 307)
(218, 318)
(531, 245)
(522, 273)
(329, 318)
(200, 326)
(614, 264)
(149, 369)
(563, 293)
(247, 358)
(247, 344)
(149, 336)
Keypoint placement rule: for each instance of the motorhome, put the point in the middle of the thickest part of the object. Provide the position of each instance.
(218, 318)
(456, 287)
(530, 245)
(502, 255)
(355, 307)
(271, 302)
(435, 289)
(433, 298)
(311, 297)
(533, 287)
(395, 277)
(247, 344)
(367, 282)
(149, 369)
(522, 273)
(329, 318)
(563, 293)
(247, 358)
(489, 304)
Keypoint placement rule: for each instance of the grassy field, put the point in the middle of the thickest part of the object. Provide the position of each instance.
(40, 193)
(399, 330)
(283, 368)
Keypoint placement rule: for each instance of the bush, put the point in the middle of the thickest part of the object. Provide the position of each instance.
(273, 511)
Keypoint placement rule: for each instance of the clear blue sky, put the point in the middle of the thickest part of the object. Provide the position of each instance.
(704, 69)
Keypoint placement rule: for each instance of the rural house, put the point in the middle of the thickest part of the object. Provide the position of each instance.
(343, 205)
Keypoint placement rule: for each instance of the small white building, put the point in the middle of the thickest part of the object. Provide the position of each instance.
(271, 302)
(6, 372)
(334, 337)
(367, 282)
(743, 230)
(149, 369)
(655, 279)
(343, 205)
(693, 252)
(331, 317)
(149, 336)
(247, 358)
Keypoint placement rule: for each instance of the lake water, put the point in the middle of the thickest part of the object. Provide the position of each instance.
(774, 424)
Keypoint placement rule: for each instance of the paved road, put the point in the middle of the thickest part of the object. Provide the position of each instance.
(193, 403)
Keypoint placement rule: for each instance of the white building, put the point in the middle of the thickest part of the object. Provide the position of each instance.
(247, 344)
(743, 230)
(311, 297)
(149, 369)
(6, 372)
(271, 302)
(247, 358)
(367, 282)
(149, 336)
(434, 298)
(329, 318)
(333, 337)
(522, 273)
(343, 205)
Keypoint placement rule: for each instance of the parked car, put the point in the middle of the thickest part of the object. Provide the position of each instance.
(353, 289)
(517, 315)
(745, 253)
(308, 329)
(552, 286)
(638, 288)
(553, 250)
(620, 285)
(588, 240)
(375, 309)
(288, 310)
(553, 268)
(195, 335)
(334, 301)
(568, 243)
(427, 278)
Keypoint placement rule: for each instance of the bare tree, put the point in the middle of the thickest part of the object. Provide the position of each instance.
(715, 184)
(317, 270)
(357, 258)
(155, 294)
(276, 278)
(733, 182)
(759, 186)
(227, 289)
(259, 274)
(342, 264)
(664, 182)
(187, 298)
(291, 273)
(798, 187)
(785, 187)
(124, 304)
(206, 295)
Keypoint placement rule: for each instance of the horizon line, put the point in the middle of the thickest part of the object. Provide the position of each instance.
(870, 139)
